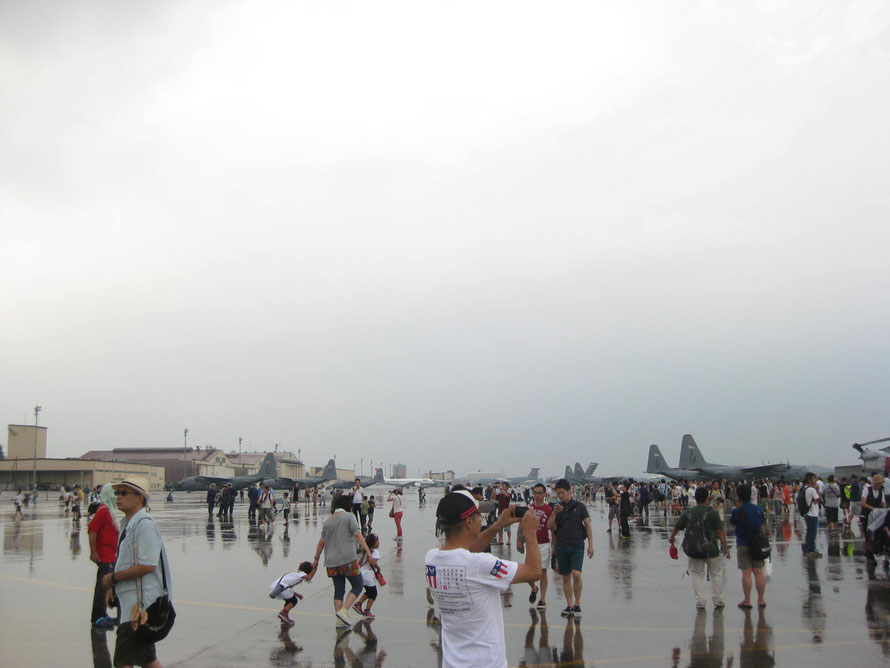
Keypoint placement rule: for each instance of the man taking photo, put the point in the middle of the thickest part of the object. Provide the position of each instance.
(466, 583)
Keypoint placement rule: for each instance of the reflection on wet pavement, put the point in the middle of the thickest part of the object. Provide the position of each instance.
(706, 651)
(756, 650)
(638, 603)
(99, 642)
(877, 615)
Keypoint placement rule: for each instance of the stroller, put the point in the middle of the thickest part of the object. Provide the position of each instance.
(877, 537)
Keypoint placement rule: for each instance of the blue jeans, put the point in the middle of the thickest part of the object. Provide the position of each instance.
(812, 528)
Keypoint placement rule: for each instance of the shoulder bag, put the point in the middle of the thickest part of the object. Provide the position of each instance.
(152, 624)
(758, 544)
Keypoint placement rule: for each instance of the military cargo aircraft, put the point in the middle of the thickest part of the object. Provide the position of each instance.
(874, 460)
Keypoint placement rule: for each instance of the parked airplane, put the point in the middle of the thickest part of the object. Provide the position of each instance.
(328, 474)
(529, 479)
(399, 482)
(568, 475)
(658, 466)
(201, 483)
(581, 473)
(874, 461)
(576, 476)
(691, 458)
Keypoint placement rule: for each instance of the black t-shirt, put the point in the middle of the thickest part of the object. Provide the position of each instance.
(625, 505)
(570, 524)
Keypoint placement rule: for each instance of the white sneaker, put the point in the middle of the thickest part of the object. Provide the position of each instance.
(343, 617)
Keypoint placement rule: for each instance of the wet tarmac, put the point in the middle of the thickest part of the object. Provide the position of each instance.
(638, 603)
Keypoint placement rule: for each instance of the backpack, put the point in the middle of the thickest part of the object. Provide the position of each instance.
(801, 500)
(695, 539)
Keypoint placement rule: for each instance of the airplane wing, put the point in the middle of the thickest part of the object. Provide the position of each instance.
(208, 480)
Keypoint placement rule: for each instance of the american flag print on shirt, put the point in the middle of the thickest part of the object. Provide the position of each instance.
(500, 569)
(431, 576)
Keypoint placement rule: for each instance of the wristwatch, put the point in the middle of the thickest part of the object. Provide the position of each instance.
(114, 578)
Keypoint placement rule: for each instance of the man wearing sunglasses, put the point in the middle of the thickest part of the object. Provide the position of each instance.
(140, 559)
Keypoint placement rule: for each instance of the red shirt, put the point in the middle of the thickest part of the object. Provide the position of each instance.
(503, 500)
(106, 534)
(543, 513)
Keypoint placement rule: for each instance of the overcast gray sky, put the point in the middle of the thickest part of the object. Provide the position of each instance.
(455, 234)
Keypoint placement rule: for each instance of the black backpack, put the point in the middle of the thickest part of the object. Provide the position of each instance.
(802, 506)
(695, 538)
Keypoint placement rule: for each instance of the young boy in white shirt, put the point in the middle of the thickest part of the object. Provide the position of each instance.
(283, 588)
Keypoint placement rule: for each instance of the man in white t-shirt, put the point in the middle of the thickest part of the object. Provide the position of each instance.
(467, 583)
(357, 493)
(267, 503)
(813, 499)
(17, 501)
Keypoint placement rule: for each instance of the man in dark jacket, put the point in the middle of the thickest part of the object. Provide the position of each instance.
(211, 500)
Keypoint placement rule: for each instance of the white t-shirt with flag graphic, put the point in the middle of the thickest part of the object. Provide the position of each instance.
(467, 588)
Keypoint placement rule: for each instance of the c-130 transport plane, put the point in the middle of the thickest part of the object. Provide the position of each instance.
(691, 458)
(267, 474)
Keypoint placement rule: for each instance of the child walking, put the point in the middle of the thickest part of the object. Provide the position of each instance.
(286, 508)
(369, 577)
(283, 588)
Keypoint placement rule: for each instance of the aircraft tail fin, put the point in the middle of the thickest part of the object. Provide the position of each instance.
(568, 475)
(591, 468)
(378, 476)
(269, 466)
(579, 472)
(656, 460)
(533, 474)
(330, 470)
(690, 455)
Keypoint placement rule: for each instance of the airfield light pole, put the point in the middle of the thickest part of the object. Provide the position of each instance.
(185, 452)
(37, 410)
(363, 467)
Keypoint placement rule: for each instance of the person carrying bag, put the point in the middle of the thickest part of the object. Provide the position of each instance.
(140, 582)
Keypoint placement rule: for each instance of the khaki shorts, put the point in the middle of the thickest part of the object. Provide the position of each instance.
(743, 557)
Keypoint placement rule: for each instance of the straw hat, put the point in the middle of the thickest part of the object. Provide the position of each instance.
(137, 483)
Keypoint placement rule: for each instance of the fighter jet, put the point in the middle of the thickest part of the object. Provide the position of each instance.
(692, 459)
(578, 476)
(201, 483)
(581, 474)
(658, 466)
(529, 479)
(874, 461)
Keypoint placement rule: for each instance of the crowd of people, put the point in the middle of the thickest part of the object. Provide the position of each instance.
(458, 572)
(464, 578)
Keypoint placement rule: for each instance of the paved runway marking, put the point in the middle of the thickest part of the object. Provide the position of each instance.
(561, 627)
(661, 657)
